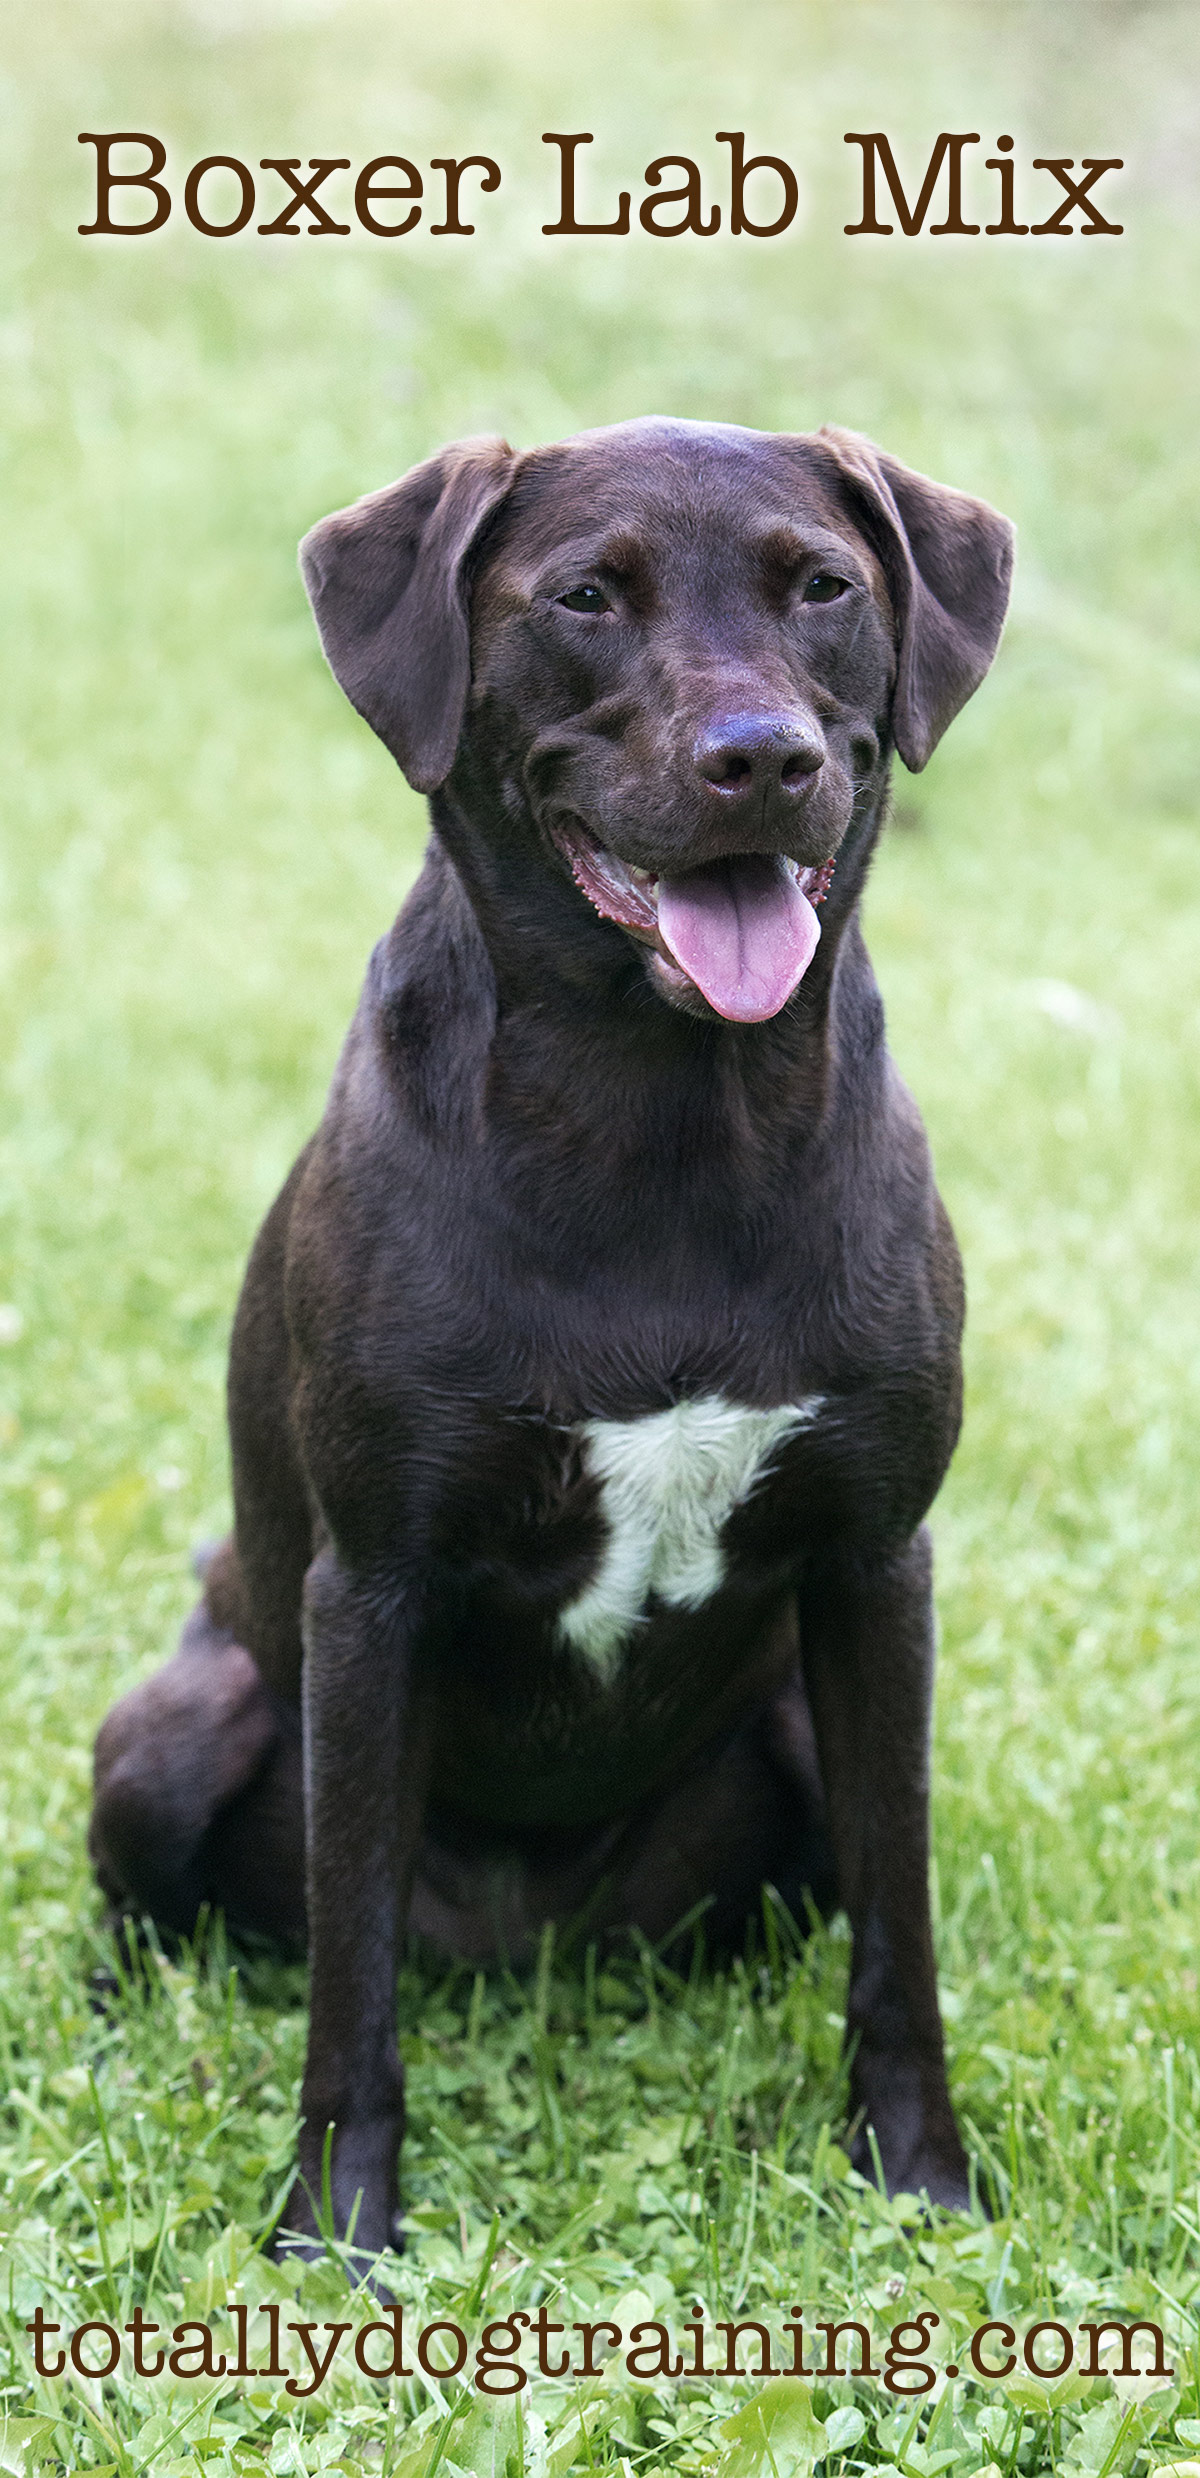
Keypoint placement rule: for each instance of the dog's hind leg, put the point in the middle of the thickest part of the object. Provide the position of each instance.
(197, 1788)
(751, 1812)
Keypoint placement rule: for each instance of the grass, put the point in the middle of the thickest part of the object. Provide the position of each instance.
(202, 844)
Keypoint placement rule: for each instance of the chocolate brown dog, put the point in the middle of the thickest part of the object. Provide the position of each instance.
(599, 1361)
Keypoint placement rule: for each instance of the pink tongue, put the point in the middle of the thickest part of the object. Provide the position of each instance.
(742, 931)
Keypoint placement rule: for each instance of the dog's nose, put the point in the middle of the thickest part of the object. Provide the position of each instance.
(744, 755)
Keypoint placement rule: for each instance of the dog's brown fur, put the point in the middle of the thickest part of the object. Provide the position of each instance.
(553, 1187)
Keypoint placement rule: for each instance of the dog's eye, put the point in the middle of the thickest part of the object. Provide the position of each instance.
(585, 598)
(824, 587)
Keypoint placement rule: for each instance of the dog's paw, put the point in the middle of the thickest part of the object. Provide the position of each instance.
(935, 2173)
(363, 2270)
(357, 2237)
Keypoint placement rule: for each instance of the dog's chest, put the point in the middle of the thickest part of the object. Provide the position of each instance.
(668, 1483)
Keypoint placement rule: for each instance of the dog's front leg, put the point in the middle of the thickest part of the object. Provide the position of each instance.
(867, 1637)
(364, 1761)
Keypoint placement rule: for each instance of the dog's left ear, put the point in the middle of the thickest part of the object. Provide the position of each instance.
(948, 563)
(387, 580)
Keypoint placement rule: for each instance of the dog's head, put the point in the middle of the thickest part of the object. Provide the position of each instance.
(680, 653)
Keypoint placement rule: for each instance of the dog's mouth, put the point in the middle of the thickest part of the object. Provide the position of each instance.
(742, 930)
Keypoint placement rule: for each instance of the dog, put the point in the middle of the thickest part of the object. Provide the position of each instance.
(598, 1364)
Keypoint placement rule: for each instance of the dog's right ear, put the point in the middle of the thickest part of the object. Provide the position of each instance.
(948, 562)
(388, 585)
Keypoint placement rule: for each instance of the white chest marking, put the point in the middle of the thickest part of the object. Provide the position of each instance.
(668, 1484)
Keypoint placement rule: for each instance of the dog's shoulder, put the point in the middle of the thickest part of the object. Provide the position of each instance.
(428, 1007)
(411, 1069)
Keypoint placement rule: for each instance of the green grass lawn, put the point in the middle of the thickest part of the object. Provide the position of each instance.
(201, 844)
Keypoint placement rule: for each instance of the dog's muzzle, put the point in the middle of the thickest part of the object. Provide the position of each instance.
(741, 930)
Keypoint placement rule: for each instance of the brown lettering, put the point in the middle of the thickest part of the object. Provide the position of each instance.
(907, 2357)
(651, 2357)
(191, 196)
(1050, 2374)
(566, 211)
(320, 2366)
(740, 170)
(491, 2358)
(202, 2349)
(1077, 192)
(367, 189)
(460, 2342)
(304, 193)
(138, 2330)
(107, 180)
(694, 2331)
(394, 2323)
(39, 2331)
(1002, 164)
(874, 145)
(733, 2333)
(1007, 2336)
(691, 193)
(114, 2349)
(541, 2327)
(454, 168)
(833, 2333)
(1126, 2367)
(796, 2328)
(273, 2366)
(591, 2332)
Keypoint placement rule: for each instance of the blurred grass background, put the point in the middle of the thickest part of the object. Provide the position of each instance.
(201, 843)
